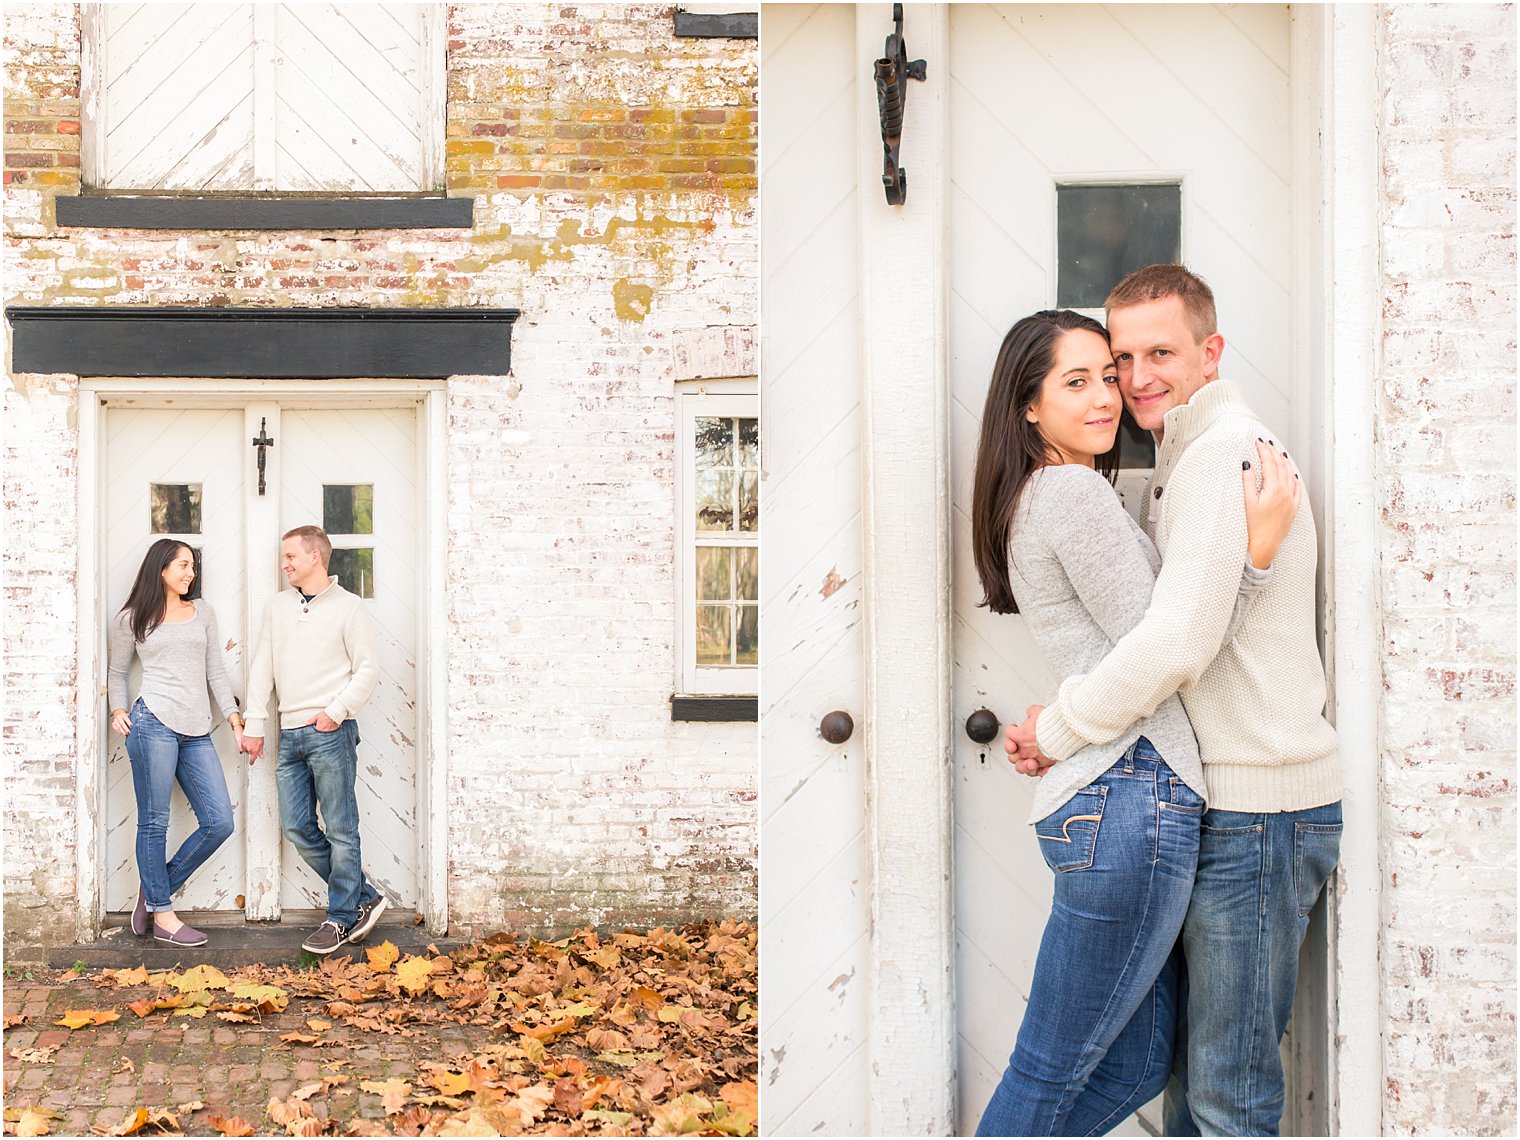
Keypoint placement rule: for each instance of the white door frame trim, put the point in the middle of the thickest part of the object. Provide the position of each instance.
(432, 640)
(906, 515)
(1349, 328)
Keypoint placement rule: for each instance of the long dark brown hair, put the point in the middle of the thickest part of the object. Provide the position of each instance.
(1011, 448)
(147, 602)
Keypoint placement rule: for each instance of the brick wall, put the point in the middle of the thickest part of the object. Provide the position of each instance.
(1446, 471)
(612, 168)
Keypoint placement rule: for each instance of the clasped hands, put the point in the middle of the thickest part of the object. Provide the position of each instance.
(1023, 748)
(254, 745)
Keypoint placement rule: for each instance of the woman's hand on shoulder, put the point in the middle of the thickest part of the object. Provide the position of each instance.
(1272, 492)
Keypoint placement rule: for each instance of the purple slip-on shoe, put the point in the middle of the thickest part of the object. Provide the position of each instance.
(184, 936)
(139, 920)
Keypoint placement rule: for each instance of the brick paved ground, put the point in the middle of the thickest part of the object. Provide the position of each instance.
(232, 1069)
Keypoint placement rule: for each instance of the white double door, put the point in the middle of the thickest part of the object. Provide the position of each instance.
(193, 474)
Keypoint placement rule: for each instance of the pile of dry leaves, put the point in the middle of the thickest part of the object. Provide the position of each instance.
(633, 1034)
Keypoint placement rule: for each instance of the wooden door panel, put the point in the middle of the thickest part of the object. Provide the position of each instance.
(195, 447)
(1042, 95)
(376, 447)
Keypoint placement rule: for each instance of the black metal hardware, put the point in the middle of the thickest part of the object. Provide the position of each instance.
(263, 441)
(982, 726)
(892, 75)
(836, 727)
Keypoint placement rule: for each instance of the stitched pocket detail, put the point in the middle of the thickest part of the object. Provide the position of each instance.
(1069, 835)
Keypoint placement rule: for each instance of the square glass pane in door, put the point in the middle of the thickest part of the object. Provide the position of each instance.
(348, 508)
(176, 508)
(355, 570)
(1104, 232)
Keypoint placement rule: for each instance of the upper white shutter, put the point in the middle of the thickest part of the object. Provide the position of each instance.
(304, 97)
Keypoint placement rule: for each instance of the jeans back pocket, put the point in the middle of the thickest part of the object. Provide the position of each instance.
(1316, 850)
(1069, 835)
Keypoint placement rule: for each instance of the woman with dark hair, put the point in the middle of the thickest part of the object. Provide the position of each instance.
(168, 729)
(1117, 823)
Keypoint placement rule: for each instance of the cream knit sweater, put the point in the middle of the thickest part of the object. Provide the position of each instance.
(319, 655)
(1256, 707)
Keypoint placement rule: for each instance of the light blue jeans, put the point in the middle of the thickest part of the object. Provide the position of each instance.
(1097, 1038)
(160, 757)
(319, 769)
(1259, 875)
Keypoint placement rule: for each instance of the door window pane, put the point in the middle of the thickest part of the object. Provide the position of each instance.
(355, 570)
(1104, 232)
(176, 508)
(348, 508)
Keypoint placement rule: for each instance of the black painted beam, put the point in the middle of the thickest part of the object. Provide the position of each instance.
(261, 343)
(715, 708)
(718, 25)
(178, 212)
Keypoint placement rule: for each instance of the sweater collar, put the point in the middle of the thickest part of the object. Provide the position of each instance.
(1186, 423)
(332, 580)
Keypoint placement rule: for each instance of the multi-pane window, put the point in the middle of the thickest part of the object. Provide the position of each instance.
(720, 549)
(262, 97)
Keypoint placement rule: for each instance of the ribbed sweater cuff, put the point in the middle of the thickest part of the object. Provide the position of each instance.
(1055, 735)
(1272, 788)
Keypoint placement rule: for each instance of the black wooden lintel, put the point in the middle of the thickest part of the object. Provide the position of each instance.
(715, 708)
(279, 344)
(718, 25)
(215, 212)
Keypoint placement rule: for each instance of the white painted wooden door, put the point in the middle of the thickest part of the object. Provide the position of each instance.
(199, 451)
(300, 97)
(324, 453)
(815, 883)
(321, 453)
(1061, 94)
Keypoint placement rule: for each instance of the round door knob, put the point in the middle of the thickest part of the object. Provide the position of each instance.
(982, 726)
(836, 727)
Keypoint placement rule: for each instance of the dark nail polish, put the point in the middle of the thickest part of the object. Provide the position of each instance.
(1295, 474)
(1272, 442)
(1285, 455)
(1245, 465)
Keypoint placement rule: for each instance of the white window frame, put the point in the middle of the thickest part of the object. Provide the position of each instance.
(737, 397)
(94, 69)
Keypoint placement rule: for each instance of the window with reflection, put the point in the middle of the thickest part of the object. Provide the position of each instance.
(348, 510)
(355, 569)
(720, 528)
(175, 507)
(1104, 232)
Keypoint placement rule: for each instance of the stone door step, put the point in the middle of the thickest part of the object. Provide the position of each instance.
(234, 942)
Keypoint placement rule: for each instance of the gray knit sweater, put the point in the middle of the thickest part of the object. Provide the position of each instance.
(182, 668)
(1082, 572)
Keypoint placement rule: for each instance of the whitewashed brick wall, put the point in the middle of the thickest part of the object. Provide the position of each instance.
(1446, 471)
(615, 206)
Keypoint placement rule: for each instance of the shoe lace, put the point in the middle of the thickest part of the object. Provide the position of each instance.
(329, 922)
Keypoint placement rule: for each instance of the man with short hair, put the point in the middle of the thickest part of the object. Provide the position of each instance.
(1271, 835)
(316, 649)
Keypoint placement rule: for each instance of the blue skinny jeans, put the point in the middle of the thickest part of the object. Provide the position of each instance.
(1097, 1038)
(160, 757)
